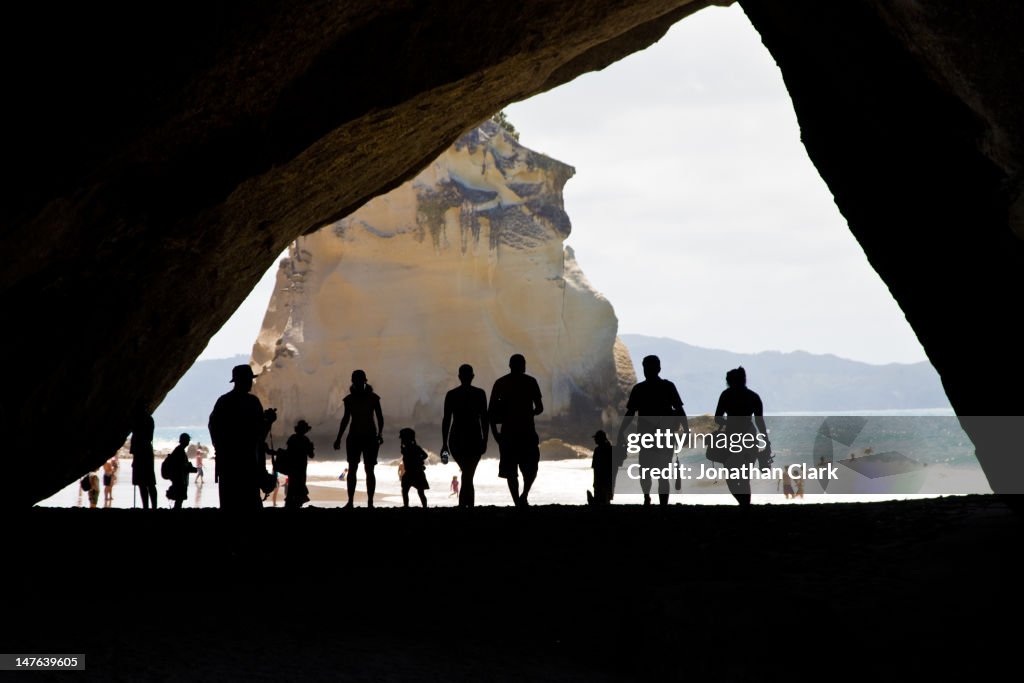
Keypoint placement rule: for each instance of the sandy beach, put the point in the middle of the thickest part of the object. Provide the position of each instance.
(559, 482)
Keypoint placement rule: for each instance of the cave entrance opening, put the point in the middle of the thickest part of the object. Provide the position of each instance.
(695, 208)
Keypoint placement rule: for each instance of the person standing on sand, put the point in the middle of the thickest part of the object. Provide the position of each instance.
(94, 489)
(298, 452)
(515, 401)
(200, 452)
(108, 483)
(652, 398)
(365, 437)
(787, 484)
(454, 486)
(740, 411)
(179, 468)
(604, 470)
(464, 431)
(238, 429)
(143, 459)
(414, 472)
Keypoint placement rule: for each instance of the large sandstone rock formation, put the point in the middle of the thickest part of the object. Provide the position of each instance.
(463, 264)
(156, 173)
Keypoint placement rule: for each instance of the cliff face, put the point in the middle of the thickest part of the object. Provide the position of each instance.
(463, 264)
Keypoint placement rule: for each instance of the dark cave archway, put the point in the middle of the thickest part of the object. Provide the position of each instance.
(151, 176)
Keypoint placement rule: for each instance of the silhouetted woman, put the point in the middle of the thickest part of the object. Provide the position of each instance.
(365, 436)
(143, 470)
(741, 411)
(464, 430)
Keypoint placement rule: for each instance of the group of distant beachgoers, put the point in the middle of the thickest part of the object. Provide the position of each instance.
(239, 428)
(91, 484)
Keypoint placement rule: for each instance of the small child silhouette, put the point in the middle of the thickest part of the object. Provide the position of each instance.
(414, 473)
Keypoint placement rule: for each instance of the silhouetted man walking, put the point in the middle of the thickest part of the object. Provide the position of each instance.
(464, 430)
(238, 429)
(654, 397)
(143, 458)
(515, 400)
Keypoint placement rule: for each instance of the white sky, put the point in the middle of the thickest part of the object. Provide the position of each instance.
(695, 208)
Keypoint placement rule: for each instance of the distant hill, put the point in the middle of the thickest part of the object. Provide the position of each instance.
(192, 398)
(791, 382)
(787, 382)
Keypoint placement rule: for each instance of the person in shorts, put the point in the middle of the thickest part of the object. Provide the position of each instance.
(363, 413)
(656, 403)
(108, 483)
(515, 401)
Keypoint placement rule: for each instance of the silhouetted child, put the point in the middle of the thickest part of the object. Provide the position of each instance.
(414, 459)
(177, 468)
(298, 451)
(603, 470)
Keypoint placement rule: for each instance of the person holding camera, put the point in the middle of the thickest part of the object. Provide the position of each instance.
(238, 428)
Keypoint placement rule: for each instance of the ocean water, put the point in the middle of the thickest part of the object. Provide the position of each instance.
(166, 438)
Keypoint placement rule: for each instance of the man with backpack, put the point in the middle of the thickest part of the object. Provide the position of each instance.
(176, 467)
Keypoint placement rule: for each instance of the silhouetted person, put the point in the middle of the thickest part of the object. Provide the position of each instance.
(515, 401)
(143, 466)
(604, 469)
(464, 430)
(298, 453)
(741, 412)
(414, 472)
(179, 467)
(787, 484)
(238, 431)
(365, 436)
(200, 454)
(652, 398)
(108, 481)
(94, 489)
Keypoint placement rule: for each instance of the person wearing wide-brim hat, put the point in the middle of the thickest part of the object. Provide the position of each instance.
(238, 430)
